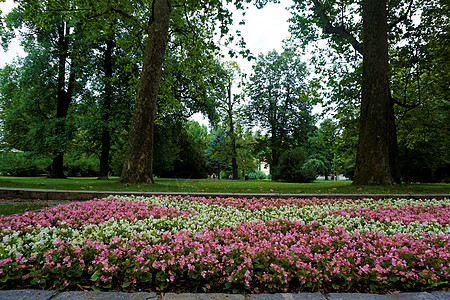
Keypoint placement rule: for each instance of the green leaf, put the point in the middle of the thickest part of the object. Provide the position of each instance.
(147, 276)
(96, 275)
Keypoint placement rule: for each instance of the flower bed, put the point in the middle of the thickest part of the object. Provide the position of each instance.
(230, 245)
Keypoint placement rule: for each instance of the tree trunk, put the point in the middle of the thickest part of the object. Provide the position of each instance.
(139, 156)
(64, 97)
(57, 170)
(376, 159)
(232, 136)
(106, 113)
(274, 139)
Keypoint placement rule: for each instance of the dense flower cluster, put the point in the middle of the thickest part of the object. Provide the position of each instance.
(235, 245)
(423, 213)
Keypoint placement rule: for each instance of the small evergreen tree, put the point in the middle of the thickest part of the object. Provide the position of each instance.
(293, 167)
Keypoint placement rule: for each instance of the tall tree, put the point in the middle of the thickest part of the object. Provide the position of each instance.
(106, 108)
(228, 106)
(377, 155)
(54, 44)
(154, 18)
(64, 94)
(138, 160)
(419, 77)
(279, 101)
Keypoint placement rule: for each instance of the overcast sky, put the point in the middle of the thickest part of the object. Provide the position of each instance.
(266, 28)
(14, 47)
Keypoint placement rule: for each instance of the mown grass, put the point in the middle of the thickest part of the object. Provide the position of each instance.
(220, 186)
(8, 209)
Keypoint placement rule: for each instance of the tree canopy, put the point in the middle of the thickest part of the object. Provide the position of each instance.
(278, 101)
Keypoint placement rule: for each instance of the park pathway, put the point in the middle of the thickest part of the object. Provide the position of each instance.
(51, 295)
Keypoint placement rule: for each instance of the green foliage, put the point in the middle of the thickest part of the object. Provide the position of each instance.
(217, 152)
(22, 164)
(179, 150)
(420, 90)
(418, 58)
(82, 165)
(294, 167)
(245, 142)
(279, 102)
(425, 162)
(118, 150)
(36, 108)
(256, 175)
(316, 165)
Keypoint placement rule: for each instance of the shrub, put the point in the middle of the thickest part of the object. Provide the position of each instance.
(256, 175)
(22, 164)
(292, 167)
(317, 165)
(82, 165)
(252, 176)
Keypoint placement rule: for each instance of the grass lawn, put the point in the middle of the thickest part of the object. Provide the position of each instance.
(199, 244)
(215, 186)
(7, 209)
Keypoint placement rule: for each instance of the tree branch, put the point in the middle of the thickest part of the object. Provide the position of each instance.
(131, 17)
(401, 18)
(337, 31)
(409, 106)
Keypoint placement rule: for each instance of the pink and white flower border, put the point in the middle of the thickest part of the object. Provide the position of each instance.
(235, 245)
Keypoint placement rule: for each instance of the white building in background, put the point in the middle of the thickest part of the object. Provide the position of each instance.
(264, 167)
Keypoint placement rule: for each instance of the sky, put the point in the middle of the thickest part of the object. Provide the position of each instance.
(14, 48)
(264, 29)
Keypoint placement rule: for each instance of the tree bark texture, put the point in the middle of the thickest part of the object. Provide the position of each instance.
(274, 139)
(232, 135)
(64, 97)
(376, 159)
(106, 113)
(139, 156)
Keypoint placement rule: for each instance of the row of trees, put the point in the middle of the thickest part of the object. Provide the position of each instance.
(79, 79)
(79, 91)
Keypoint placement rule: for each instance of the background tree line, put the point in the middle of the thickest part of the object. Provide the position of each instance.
(68, 105)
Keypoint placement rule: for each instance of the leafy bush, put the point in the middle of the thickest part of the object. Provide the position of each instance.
(256, 175)
(82, 165)
(293, 167)
(317, 165)
(22, 164)
(252, 176)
